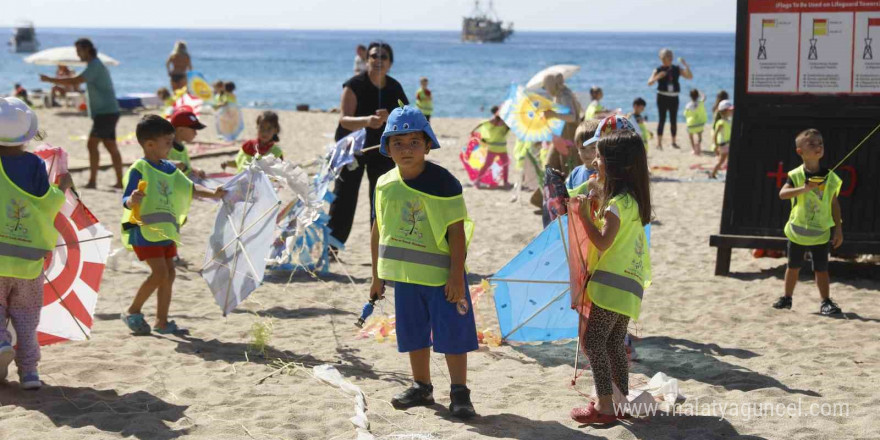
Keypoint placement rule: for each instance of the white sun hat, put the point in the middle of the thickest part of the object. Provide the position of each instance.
(18, 123)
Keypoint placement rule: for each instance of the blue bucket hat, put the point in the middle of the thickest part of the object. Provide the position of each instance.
(403, 120)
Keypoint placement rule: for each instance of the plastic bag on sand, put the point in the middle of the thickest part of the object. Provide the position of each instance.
(331, 375)
(645, 401)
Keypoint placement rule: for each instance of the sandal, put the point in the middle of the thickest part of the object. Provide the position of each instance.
(170, 328)
(589, 415)
(136, 323)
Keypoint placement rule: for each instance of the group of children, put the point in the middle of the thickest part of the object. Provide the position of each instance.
(224, 94)
(419, 239)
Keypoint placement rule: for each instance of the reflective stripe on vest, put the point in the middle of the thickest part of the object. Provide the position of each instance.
(160, 217)
(23, 252)
(807, 232)
(413, 256)
(618, 282)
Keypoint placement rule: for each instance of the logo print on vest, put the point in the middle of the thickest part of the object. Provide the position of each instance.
(413, 212)
(16, 212)
(165, 191)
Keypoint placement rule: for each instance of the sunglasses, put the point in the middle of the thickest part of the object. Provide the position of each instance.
(382, 57)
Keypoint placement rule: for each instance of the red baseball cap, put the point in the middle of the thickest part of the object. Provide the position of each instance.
(184, 117)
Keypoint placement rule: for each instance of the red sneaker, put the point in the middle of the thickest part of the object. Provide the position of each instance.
(589, 415)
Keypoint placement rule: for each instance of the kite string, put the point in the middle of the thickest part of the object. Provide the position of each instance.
(857, 147)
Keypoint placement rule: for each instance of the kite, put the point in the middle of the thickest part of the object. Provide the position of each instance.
(198, 86)
(473, 157)
(524, 113)
(235, 260)
(74, 270)
(229, 121)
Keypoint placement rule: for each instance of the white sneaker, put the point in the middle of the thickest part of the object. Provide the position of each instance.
(7, 354)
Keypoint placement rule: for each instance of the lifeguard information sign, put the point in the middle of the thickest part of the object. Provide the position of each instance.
(802, 64)
(813, 47)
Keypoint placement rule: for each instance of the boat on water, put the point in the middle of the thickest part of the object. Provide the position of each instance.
(484, 26)
(24, 38)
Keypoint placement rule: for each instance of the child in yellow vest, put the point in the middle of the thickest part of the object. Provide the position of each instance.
(638, 118)
(814, 225)
(419, 241)
(28, 206)
(695, 117)
(266, 142)
(424, 99)
(623, 270)
(151, 219)
(721, 133)
(186, 126)
(493, 137)
(595, 109)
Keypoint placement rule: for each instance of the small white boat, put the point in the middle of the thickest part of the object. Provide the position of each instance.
(24, 38)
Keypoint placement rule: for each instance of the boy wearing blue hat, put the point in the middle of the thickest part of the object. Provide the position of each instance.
(419, 241)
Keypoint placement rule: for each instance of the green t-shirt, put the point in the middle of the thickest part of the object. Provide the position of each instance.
(99, 89)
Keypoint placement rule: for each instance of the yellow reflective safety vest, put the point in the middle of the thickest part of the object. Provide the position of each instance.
(696, 117)
(623, 271)
(722, 132)
(27, 232)
(412, 231)
(592, 109)
(646, 135)
(164, 206)
(242, 160)
(181, 156)
(810, 220)
(494, 137)
(424, 103)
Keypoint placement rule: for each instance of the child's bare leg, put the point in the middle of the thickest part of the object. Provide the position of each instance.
(420, 362)
(457, 364)
(163, 297)
(721, 159)
(159, 272)
(791, 279)
(823, 281)
(693, 144)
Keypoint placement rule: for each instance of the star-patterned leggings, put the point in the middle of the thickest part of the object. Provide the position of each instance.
(604, 345)
(21, 302)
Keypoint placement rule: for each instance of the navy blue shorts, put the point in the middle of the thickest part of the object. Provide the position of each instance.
(425, 318)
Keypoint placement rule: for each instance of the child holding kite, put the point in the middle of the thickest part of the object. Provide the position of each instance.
(156, 200)
(623, 270)
(266, 142)
(419, 241)
(582, 178)
(814, 225)
(30, 204)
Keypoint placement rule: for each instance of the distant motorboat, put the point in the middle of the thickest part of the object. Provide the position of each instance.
(484, 26)
(24, 38)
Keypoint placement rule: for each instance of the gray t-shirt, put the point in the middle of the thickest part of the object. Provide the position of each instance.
(99, 89)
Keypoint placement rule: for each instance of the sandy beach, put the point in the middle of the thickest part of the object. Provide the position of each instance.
(718, 336)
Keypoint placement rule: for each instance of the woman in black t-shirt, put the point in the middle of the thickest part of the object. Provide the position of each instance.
(666, 76)
(367, 99)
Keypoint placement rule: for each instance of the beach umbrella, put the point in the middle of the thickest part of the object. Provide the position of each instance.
(235, 260)
(524, 113)
(567, 71)
(72, 273)
(64, 55)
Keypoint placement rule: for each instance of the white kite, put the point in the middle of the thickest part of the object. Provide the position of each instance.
(235, 260)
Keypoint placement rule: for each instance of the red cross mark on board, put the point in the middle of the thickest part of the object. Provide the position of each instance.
(781, 176)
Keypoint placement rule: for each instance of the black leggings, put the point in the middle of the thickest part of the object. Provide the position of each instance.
(664, 104)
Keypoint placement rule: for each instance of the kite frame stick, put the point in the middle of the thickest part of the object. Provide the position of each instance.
(214, 257)
(61, 301)
(537, 312)
(505, 280)
(84, 241)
